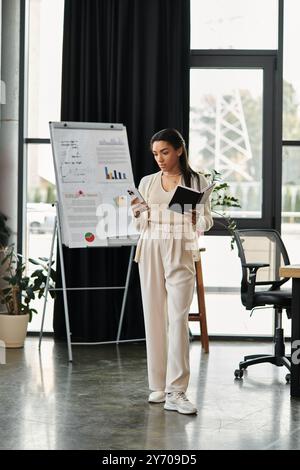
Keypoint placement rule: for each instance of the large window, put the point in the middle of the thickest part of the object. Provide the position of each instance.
(291, 71)
(235, 80)
(45, 28)
(44, 31)
(226, 119)
(232, 128)
(234, 24)
(291, 200)
(235, 116)
(291, 131)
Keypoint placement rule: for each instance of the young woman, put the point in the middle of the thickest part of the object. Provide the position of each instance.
(166, 253)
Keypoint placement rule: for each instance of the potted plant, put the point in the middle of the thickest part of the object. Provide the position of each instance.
(222, 198)
(19, 292)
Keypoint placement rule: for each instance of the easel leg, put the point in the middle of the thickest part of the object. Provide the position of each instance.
(48, 280)
(125, 292)
(63, 279)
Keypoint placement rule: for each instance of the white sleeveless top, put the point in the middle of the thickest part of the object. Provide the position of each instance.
(158, 202)
(151, 188)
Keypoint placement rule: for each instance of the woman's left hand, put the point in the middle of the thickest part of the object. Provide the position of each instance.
(192, 216)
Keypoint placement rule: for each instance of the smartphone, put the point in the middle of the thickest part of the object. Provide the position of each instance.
(134, 193)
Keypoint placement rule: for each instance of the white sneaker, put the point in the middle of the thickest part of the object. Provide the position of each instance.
(157, 397)
(177, 401)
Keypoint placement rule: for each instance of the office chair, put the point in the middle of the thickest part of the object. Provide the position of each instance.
(262, 252)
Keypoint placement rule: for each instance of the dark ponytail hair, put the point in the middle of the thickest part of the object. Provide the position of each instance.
(174, 138)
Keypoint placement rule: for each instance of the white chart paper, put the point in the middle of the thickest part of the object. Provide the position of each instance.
(93, 172)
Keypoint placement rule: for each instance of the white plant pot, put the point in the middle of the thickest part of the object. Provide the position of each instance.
(13, 329)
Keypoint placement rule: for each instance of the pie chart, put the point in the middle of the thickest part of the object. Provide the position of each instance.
(89, 236)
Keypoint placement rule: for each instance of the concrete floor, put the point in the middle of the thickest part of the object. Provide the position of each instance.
(100, 401)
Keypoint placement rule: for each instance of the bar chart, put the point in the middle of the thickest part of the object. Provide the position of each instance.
(114, 174)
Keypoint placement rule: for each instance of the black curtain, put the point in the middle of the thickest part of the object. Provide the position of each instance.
(124, 61)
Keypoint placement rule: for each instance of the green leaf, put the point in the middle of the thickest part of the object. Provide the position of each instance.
(33, 261)
(37, 273)
(5, 259)
(30, 292)
(6, 290)
(221, 186)
(13, 280)
(43, 258)
(37, 283)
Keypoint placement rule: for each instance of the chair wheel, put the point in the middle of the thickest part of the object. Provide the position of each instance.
(238, 373)
(288, 378)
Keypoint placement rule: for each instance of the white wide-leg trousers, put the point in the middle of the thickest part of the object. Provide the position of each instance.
(167, 276)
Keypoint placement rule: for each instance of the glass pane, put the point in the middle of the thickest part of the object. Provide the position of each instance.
(226, 316)
(226, 131)
(222, 276)
(291, 71)
(45, 62)
(291, 201)
(234, 24)
(290, 227)
(40, 215)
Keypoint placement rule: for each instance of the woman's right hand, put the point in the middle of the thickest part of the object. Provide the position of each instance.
(136, 206)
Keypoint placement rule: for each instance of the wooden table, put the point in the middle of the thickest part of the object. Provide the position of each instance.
(293, 271)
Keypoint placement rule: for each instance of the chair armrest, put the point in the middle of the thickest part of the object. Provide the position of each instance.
(253, 268)
(255, 265)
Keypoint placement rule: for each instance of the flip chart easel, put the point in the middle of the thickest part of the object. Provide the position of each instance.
(63, 236)
(64, 289)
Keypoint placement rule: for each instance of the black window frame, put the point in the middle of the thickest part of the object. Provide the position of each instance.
(271, 62)
(266, 61)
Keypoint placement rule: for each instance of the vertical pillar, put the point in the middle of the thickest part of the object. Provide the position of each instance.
(9, 117)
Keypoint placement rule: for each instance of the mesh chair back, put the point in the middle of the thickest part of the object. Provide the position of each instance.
(262, 246)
